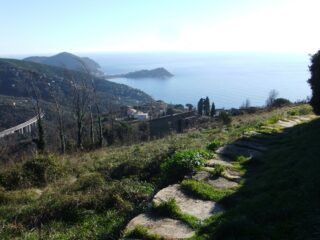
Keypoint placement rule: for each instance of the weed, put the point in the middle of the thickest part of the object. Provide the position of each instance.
(204, 190)
(217, 171)
(214, 145)
(140, 232)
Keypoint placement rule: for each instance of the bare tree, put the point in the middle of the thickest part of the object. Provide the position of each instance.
(54, 92)
(96, 104)
(34, 93)
(273, 94)
(246, 104)
(80, 102)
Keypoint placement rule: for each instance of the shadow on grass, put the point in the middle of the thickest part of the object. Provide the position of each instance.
(280, 197)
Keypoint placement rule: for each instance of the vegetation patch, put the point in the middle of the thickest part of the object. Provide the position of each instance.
(214, 145)
(140, 232)
(183, 163)
(171, 209)
(280, 193)
(204, 191)
(217, 171)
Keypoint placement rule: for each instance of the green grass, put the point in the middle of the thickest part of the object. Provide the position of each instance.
(94, 194)
(140, 232)
(171, 209)
(280, 198)
(204, 191)
(217, 171)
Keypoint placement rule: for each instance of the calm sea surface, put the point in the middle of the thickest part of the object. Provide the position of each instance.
(227, 79)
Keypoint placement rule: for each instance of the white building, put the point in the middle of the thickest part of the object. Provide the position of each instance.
(141, 116)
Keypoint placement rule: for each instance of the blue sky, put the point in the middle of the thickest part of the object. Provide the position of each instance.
(44, 26)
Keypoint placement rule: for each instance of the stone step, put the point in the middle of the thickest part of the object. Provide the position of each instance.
(219, 161)
(222, 183)
(165, 227)
(233, 151)
(251, 145)
(306, 118)
(286, 124)
(195, 207)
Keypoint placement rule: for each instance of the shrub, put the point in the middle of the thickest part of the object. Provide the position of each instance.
(181, 164)
(214, 145)
(11, 179)
(225, 118)
(274, 119)
(217, 172)
(305, 110)
(293, 112)
(280, 102)
(40, 171)
(89, 181)
(126, 169)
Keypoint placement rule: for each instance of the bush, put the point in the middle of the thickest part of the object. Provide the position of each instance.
(89, 181)
(126, 169)
(225, 118)
(181, 164)
(40, 171)
(305, 110)
(218, 171)
(11, 179)
(280, 102)
(214, 145)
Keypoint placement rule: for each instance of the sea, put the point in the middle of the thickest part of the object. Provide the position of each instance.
(228, 79)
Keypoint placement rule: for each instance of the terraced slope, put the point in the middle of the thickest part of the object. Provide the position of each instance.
(202, 196)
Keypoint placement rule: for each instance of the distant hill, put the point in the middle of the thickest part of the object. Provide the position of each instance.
(69, 61)
(160, 73)
(14, 80)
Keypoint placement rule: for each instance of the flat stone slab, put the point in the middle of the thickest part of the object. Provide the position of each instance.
(166, 227)
(222, 183)
(234, 151)
(306, 118)
(201, 175)
(286, 124)
(250, 144)
(196, 207)
(214, 162)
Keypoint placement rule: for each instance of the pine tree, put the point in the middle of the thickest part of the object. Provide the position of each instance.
(213, 110)
(206, 106)
(200, 106)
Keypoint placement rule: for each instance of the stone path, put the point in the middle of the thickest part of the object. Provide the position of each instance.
(252, 144)
(199, 208)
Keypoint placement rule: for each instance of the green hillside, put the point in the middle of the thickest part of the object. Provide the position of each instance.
(15, 81)
(94, 195)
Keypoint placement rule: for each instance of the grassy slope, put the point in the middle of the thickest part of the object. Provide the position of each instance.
(281, 197)
(96, 193)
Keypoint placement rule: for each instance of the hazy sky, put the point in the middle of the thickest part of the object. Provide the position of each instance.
(51, 26)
